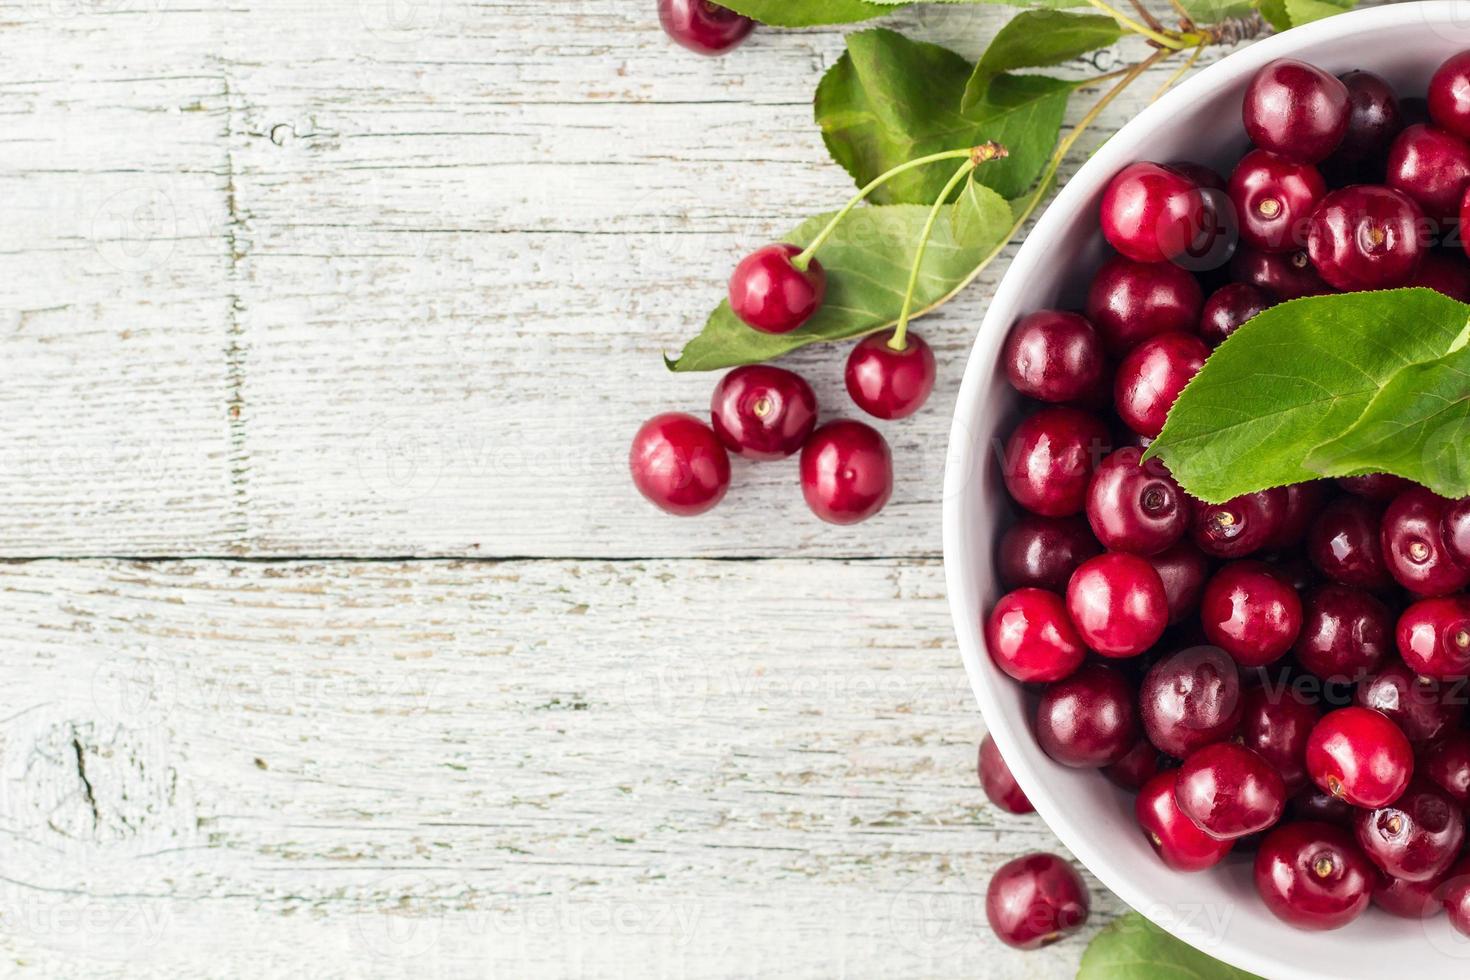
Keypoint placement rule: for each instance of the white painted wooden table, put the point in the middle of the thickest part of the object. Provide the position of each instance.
(336, 640)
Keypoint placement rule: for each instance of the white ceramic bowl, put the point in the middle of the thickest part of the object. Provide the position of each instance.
(1218, 910)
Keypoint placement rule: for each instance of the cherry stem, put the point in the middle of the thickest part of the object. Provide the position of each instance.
(899, 340)
(1162, 39)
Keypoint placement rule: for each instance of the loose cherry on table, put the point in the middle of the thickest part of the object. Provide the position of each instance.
(772, 294)
(1129, 302)
(1345, 545)
(1277, 726)
(1036, 900)
(1184, 570)
(888, 382)
(1190, 699)
(1177, 840)
(1151, 213)
(1449, 95)
(1282, 275)
(1118, 604)
(1031, 637)
(1251, 613)
(846, 472)
(1239, 526)
(1446, 763)
(1346, 633)
(1230, 791)
(1054, 356)
(704, 27)
(679, 464)
(1136, 506)
(1413, 548)
(1088, 720)
(1417, 837)
(996, 779)
(1049, 460)
(1227, 308)
(1274, 197)
(1152, 376)
(1366, 237)
(1433, 637)
(1361, 756)
(1138, 765)
(1313, 875)
(1296, 110)
(1422, 709)
(763, 412)
(1374, 118)
(1432, 167)
(1044, 551)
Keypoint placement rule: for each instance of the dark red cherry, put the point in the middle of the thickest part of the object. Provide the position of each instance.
(1296, 110)
(1049, 459)
(703, 27)
(1130, 302)
(1184, 569)
(679, 465)
(1454, 530)
(1229, 791)
(1413, 548)
(1380, 487)
(1434, 637)
(1301, 504)
(769, 293)
(1239, 526)
(1455, 894)
(1088, 720)
(1432, 167)
(1118, 604)
(1447, 274)
(1206, 178)
(1251, 613)
(763, 412)
(1273, 198)
(1417, 837)
(1422, 709)
(1227, 308)
(1358, 754)
(888, 383)
(1318, 805)
(1031, 637)
(1446, 764)
(1151, 213)
(1408, 899)
(1138, 765)
(1177, 840)
(1449, 95)
(1044, 551)
(1135, 506)
(996, 779)
(1152, 376)
(1035, 900)
(1190, 699)
(1344, 544)
(1054, 357)
(1373, 116)
(846, 472)
(1276, 724)
(1346, 633)
(1366, 237)
(1282, 275)
(1314, 875)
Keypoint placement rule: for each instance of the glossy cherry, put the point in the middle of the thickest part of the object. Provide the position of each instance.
(1380, 487)
(1408, 899)
(1129, 302)
(1422, 709)
(1035, 900)
(1276, 724)
(1296, 110)
(1446, 763)
(1313, 875)
(1344, 544)
(1251, 613)
(1088, 720)
(1151, 213)
(1190, 699)
(846, 472)
(679, 464)
(1282, 275)
(1413, 548)
(1318, 805)
(1135, 506)
(763, 412)
(888, 383)
(1346, 633)
(1273, 199)
(1177, 840)
(1434, 637)
(1455, 895)
(1366, 237)
(1238, 527)
(1138, 765)
(1447, 274)
(1031, 637)
(1227, 308)
(1054, 357)
(1044, 551)
(1358, 754)
(1454, 530)
(1184, 570)
(1432, 167)
(1049, 458)
(1449, 95)
(1301, 503)
(1417, 837)
(1229, 791)
(704, 27)
(1118, 604)
(1000, 786)
(1151, 377)
(769, 293)
(1374, 118)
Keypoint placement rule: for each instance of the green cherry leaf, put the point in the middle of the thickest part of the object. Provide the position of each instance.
(1035, 39)
(1274, 11)
(1133, 948)
(810, 13)
(1305, 11)
(1296, 377)
(1206, 12)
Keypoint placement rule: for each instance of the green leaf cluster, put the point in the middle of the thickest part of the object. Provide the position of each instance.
(1133, 948)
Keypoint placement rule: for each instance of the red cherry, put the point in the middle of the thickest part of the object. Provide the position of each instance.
(996, 779)
(1176, 839)
(1432, 167)
(1239, 526)
(1054, 357)
(1454, 530)
(1129, 302)
(1408, 899)
(1421, 708)
(768, 292)
(1031, 638)
(1344, 544)
(1301, 504)
(1313, 875)
(1087, 721)
(888, 383)
(1296, 110)
(1413, 547)
(1118, 604)
(1044, 551)
(1250, 613)
(1282, 275)
(1151, 213)
(1366, 237)
(1434, 637)
(846, 472)
(1277, 727)
(1184, 570)
(1135, 506)
(1138, 765)
(1360, 756)
(1446, 763)
(1049, 459)
(1456, 895)
(1447, 274)
(703, 27)
(1417, 837)
(1449, 94)
(763, 412)
(1152, 376)
(1381, 487)
(1373, 116)
(1190, 699)
(1230, 791)
(1345, 633)
(1035, 900)
(1315, 805)
(1227, 308)
(1274, 197)
(679, 464)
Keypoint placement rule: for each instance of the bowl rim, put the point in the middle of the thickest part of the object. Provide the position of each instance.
(976, 387)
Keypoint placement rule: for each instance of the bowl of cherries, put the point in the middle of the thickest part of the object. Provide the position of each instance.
(1247, 718)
